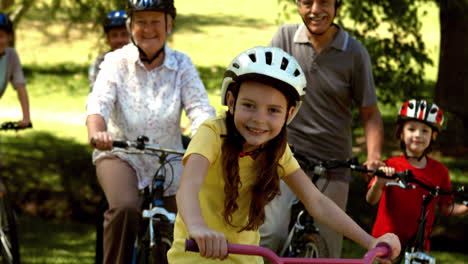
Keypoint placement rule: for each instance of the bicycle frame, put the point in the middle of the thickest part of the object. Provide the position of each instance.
(155, 213)
(382, 250)
(304, 236)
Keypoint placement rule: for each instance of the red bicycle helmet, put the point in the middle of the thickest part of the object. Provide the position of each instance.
(420, 110)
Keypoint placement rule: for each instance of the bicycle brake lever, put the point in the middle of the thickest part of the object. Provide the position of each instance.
(401, 185)
(141, 140)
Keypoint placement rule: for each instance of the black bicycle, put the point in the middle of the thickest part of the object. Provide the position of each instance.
(414, 253)
(304, 239)
(156, 235)
(9, 246)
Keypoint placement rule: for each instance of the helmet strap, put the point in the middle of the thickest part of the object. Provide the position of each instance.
(416, 158)
(150, 60)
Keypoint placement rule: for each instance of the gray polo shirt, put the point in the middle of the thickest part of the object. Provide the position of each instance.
(338, 78)
(13, 72)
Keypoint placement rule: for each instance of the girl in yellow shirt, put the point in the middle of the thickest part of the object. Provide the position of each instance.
(234, 164)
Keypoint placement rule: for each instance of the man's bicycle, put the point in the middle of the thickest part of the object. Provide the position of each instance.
(382, 250)
(304, 239)
(414, 253)
(9, 246)
(156, 235)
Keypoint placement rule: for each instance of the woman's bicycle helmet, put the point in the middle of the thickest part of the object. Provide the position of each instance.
(5, 23)
(420, 110)
(115, 19)
(268, 65)
(165, 6)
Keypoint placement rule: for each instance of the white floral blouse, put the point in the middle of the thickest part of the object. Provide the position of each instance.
(135, 101)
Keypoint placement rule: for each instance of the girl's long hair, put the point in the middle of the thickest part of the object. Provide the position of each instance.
(267, 180)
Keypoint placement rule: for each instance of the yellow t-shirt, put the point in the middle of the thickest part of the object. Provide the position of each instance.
(208, 142)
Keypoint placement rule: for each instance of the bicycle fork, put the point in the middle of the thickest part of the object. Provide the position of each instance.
(417, 256)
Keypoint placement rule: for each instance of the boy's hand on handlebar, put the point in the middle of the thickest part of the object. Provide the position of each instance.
(389, 171)
(393, 241)
(101, 140)
(212, 244)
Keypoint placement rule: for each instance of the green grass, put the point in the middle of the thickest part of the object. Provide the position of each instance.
(50, 242)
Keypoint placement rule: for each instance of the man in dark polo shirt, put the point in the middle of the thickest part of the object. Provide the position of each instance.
(339, 77)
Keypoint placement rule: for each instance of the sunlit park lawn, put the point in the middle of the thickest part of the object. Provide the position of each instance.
(211, 32)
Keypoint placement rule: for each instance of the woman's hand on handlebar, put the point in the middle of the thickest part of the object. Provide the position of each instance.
(101, 140)
(212, 244)
(393, 241)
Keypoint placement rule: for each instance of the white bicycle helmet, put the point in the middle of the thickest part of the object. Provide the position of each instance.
(420, 110)
(267, 63)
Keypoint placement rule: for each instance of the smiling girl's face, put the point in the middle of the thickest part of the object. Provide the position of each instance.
(260, 113)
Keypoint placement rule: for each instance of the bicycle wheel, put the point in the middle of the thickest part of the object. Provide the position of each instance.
(158, 253)
(313, 246)
(9, 247)
(153, 255)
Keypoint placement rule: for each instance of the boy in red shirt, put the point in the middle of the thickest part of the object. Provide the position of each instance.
(418, 125)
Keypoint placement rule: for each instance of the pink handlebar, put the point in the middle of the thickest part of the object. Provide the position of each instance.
(382, 250)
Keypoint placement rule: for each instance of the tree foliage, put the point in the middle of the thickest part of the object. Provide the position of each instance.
(390, 30)
(70, 12)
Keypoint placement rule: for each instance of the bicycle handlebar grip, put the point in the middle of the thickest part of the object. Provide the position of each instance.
(191, 245)
(386, 252)
(382, 250)
(119, 144)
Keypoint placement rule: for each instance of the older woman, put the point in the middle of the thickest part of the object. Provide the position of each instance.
(141, 89)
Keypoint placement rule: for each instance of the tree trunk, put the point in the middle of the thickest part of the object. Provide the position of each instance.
(452, 83)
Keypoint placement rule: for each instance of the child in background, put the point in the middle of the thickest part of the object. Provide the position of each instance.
(116, 35)
(234, 164)
(418, 125)
(11, 70)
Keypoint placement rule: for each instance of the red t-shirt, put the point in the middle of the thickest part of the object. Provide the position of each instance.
(399, 209)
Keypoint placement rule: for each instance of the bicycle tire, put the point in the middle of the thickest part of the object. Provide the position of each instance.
(9, 247)
(158, 253)
(153, 255)
(313, 246)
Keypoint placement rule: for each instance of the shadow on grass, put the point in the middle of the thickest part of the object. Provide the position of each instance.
(62, 69)
(68, 78)
(50, 176)
(52, 242)
(72, 77)
(195, 22)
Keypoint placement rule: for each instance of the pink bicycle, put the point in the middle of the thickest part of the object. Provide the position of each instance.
(382, 250)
